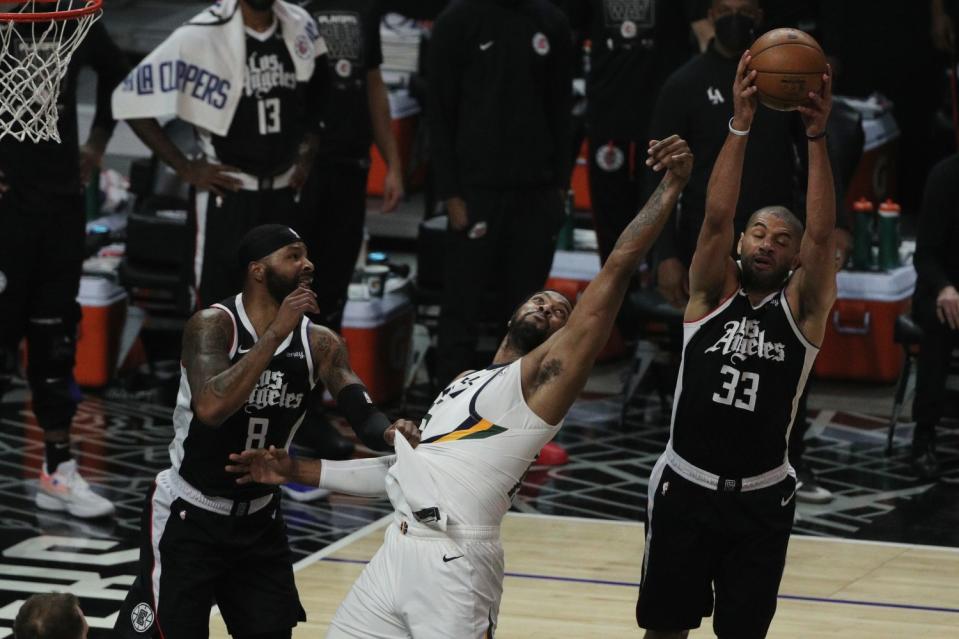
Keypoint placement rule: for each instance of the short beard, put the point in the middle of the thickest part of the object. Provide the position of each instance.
(278, 287)
(524, 336)
(260, 5)
(753, 280)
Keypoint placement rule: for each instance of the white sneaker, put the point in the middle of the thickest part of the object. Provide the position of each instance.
(66, 490)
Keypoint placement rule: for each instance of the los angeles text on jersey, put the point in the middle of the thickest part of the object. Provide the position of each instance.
(271, 390)
(744, 339)
(265, 73)
(177, 75)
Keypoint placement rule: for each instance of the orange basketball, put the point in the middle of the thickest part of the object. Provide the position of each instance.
(790, 64)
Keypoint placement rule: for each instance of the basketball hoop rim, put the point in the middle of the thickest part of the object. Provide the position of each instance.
(52, 16)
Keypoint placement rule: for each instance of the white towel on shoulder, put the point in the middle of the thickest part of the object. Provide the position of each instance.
(197, 73)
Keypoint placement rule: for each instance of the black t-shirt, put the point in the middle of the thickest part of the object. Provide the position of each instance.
(270, 119)
(743, 372)
(937, 241)
(275, 407)
(50, 166)
(351, 29)
(635, 45)
(696, 103)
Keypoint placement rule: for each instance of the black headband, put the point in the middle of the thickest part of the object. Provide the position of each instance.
(262, 240)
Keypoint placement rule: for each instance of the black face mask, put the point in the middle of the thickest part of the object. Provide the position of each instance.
(260, 5)
(735, 32)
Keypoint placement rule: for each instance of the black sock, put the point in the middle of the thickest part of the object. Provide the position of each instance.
(57, 453)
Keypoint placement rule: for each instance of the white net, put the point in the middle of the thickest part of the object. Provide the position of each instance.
(37, 39)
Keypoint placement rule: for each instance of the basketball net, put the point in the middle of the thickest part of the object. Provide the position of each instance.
(37, 40)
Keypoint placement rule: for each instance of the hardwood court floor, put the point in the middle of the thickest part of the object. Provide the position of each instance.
(577, 578)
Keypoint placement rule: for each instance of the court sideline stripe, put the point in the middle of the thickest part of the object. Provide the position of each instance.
(630, 584)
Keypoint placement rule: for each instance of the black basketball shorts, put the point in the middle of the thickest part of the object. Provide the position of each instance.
(705, 547)
(191, 559)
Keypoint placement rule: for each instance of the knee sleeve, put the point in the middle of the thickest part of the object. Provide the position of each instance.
(51, 351)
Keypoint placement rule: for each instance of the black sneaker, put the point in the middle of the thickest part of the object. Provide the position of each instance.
(808, 489)
(925, 463)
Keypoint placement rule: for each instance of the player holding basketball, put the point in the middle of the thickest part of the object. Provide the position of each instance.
(440, 570)
(721, 498)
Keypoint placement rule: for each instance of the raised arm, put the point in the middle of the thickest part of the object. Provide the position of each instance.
(332, 362)
(812, 290)
(555, 372)
(218, 388)
(712, 274)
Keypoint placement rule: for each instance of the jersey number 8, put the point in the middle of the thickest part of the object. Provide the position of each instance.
(256, 434)
(731, 386)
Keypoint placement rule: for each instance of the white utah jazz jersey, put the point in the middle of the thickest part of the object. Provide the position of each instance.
(479, 438)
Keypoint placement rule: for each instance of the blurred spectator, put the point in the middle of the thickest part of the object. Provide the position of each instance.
(888, 46)
(500, 117)
(634, 46)
(52, 615)
(41, 197)
(936, 307)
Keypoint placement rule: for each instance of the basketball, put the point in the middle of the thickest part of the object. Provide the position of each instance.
(790, 64)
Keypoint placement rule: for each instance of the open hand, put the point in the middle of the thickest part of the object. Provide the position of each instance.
(745, 100)
(409, 430)
(262, 466)
(210, 177)
(815, 113)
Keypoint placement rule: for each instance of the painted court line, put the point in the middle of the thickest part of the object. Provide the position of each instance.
(630, 584)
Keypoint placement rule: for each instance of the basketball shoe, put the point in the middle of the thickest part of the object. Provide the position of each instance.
(66, 490)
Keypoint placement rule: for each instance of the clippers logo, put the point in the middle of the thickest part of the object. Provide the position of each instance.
(271, 391)
(142, 617)
(343, 68)
(303, 46)
(610, 157)
(715, 96)
(743, 339)
(265, 73)
(628, 29)
(540, 43)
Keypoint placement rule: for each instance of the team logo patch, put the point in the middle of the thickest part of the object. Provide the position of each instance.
(303, 46)
(540, 43)
(142, 617)
(3, 281)
(343, 68)
(628, 29)
(610, 158)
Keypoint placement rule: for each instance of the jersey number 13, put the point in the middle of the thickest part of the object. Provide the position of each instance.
(269, 115)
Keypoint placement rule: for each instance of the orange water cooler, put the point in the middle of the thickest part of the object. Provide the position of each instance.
(859, 335)
(104, 307)
(379, 333)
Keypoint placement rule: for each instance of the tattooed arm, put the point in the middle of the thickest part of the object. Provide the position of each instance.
(556, 371)
(331, 360)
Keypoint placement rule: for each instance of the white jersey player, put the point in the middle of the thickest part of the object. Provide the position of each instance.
(440, 570)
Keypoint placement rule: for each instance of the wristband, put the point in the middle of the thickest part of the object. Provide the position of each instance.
(737, 131)
(813, 138)
(367, 421)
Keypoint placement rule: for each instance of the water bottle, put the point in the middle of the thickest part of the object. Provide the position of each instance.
(863, 216)
(889, 238)
(564, 239)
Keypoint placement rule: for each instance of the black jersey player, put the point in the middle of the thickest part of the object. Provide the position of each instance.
(721, 498)
(249, 364)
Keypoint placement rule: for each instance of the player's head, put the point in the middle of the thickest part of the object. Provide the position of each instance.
(769, 247)
(736, 23)
(51, 615)
(541, 315)
(259, 5)
(274, 256)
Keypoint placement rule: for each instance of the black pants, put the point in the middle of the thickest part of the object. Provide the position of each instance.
(41, 259)
(615, 187)
(221, 224)
(498, 267)
(932, 367)
(330, 219)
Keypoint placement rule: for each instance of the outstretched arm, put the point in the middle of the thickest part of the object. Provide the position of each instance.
(352, 398)
(812, 289)
(556, 371)
(713, 273)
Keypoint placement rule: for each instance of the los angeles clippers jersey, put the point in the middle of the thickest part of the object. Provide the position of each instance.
(479, 438)
(742, 375)
(269, 417)
(269, 122)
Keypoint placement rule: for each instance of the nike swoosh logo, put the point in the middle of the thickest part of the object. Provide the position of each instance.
(459, 392)
(241, 351)
(789, 498)
(486, 45)
(449, 559)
